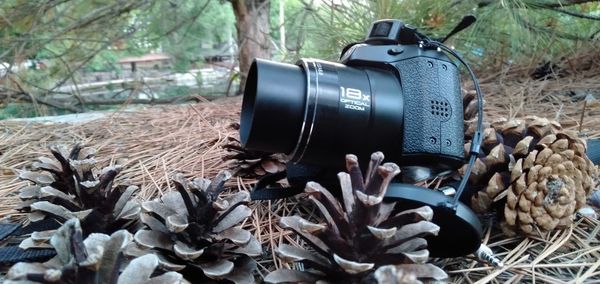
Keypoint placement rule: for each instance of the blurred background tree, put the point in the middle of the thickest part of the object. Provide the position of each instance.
(253, 32)
(47, 46)
(70, 34)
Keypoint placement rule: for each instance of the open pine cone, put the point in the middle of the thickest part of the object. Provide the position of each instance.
(195, 230)
(67, 187)
(506, 144)
(360, 236)
(252, 164)
(97, 259)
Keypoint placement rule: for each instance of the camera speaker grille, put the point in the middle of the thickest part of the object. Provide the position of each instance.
(440, 108)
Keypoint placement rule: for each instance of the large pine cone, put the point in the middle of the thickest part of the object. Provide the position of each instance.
(548, 186)
(97, 259)
(506, 143)
(196, 231)
(503, 143)
(361, 235)
(67, 187)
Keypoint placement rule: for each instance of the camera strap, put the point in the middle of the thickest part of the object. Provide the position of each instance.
(267, 188)
(475, 149)
(11, 232)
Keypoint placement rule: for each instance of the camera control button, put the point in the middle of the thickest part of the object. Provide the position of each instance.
(395, 51)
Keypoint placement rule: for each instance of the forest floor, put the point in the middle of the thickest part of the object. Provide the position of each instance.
(152, 143)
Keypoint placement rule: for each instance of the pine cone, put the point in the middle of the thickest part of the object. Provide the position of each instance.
(361, 235)
(503, 143)
(196, 230)
(548, 186)
(97, 259)
(506, 145)
(252, 164)
(68, 188)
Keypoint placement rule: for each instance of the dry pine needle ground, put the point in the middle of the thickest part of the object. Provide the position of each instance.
(155, 142)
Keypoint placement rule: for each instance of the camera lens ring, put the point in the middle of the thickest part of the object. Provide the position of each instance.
(310, 111)
(274, 100)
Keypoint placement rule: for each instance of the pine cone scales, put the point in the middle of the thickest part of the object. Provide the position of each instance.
(503, 143)
(534, 173)
(195, 229)
(97, 259)
(68, 188)
(548, 186)
(361, 235)
(469, 112)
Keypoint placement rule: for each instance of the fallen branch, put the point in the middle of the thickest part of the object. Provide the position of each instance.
(20, 95)
(150, 101)
(74, 106)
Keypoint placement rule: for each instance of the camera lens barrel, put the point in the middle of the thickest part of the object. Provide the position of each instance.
(273, 106)
(357, 111)
(318, 111)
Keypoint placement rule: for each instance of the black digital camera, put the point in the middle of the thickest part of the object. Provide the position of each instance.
(396, 92)
(389, 94)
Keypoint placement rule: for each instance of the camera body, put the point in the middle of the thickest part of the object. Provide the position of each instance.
(389, 94)
(432, 102)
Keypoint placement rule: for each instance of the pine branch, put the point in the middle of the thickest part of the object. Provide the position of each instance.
(541, 4)
(564, 3)
(577, 15)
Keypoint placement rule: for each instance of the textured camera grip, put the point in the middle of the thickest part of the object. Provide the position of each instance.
(433, 115)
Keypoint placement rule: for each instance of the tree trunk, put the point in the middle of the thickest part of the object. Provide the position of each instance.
(254, 41)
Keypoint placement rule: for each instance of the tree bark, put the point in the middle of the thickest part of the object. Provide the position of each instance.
(253, 33)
